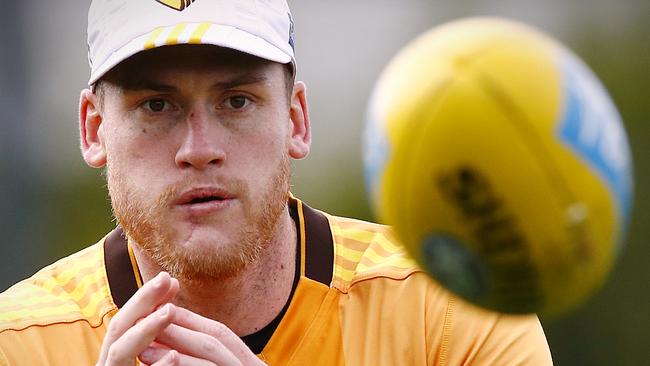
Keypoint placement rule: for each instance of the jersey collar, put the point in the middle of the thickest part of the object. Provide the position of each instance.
(314, 239)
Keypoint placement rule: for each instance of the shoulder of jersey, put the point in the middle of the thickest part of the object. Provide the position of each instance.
(364, 250)
(72, 289)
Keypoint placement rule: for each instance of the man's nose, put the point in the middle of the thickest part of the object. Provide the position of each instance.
(202, 144)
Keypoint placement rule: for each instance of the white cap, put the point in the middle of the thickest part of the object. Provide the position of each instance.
(118, 29)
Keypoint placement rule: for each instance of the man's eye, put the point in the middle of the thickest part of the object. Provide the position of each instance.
(157, 105)
(237, 102)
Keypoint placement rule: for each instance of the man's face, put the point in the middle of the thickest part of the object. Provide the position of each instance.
(197, 142)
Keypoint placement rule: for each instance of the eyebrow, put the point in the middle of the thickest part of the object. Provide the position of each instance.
(145, 83)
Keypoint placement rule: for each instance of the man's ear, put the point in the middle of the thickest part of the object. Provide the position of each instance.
(300, 126)
(90, 130)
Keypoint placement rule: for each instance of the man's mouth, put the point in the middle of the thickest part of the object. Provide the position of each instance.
(206, 199)
(203, 195)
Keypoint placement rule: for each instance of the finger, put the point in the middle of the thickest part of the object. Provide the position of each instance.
(170, 358)
(137, 338)
(197, 344)
(189, 320)
(156, 356)
(159, 290)
(152, 354)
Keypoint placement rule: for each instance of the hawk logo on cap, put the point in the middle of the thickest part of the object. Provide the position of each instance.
(179, 5)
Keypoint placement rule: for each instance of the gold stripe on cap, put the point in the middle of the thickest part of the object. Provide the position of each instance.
(173, 36)
(198, 34)
(151, 40)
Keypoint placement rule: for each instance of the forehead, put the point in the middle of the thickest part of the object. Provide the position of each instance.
(189, 59)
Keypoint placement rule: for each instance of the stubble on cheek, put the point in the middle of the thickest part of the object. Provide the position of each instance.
(130, 210)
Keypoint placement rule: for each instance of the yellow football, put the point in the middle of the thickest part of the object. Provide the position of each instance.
(502, 164)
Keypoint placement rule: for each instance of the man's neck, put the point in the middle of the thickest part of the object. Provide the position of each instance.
(248, 301)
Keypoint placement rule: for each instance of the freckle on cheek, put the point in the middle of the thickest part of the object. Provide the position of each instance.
(144, 130)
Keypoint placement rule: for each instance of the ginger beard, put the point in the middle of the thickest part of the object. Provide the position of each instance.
(144, 223)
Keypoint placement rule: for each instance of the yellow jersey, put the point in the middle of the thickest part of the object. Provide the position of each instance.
(358, 300)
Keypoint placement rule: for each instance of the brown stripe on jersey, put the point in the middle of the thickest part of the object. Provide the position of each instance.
(118, 267)
(319, 246)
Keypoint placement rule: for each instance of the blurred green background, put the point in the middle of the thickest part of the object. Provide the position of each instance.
(52, 204)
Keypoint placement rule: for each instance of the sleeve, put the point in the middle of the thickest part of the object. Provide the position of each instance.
(75, 343)
(481, 337)
(3, 358)
(14, 350)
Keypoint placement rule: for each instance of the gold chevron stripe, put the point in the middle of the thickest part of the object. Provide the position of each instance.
(80, 293)
(172, 39)
(151, 40)
(198, 34)
(66, 311)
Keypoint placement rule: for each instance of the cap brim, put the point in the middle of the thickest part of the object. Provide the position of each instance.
(199, 33)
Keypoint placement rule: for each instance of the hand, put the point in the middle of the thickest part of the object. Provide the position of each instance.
(160, 333)
(194, 340)
(139, 322)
